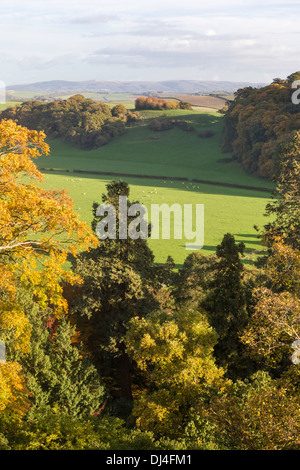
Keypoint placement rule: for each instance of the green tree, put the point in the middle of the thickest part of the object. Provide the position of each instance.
(195, 278)
(256, 414)
(174, 350)
(285, 209)
(225, 302)
(185, 105)
(56, 369)
(120, 281)
(258, 123)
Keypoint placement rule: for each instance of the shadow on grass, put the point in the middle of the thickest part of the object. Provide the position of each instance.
(248, 238)
(165, 182)
(202, 119)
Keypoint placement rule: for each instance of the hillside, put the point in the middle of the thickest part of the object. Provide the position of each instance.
(170, 166)
(258, 123)
(105, 86)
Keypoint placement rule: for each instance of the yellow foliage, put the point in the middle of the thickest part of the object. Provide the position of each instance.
(13, 392)
(38, 228)
(175, 352)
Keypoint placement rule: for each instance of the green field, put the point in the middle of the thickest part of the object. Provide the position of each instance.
(8, 104)
(172, 153)
(226, 209)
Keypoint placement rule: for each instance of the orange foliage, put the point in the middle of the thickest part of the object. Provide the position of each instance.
(38, 229)
(264, 116)
(13, 392)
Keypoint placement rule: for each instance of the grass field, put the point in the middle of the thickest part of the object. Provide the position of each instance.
(172, 153)
(25, 95)
(8, 104)
(226, 209)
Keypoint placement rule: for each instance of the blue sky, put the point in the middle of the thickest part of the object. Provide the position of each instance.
(148, 40)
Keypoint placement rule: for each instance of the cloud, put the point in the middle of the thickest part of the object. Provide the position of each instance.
(172, 29)
(174, 53)
(92, 19)
(39, 63)
(148, 39)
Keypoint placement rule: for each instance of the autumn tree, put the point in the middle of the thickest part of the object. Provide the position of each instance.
(38, 230)
(174, 350)
(119, 110)
(152, 102)
(285, 208)
(282, 268)
(14, 402)
(256, 414)
(81, 121)
(258, 123)
(273, 325)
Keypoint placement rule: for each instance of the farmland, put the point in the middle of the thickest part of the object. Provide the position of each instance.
(167, 156)
(213, 101)
(226, 209)
(8, 103)
(202, 101)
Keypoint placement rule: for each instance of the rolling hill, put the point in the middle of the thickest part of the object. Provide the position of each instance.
(104, 86)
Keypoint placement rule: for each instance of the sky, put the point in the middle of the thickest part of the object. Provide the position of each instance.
(252, 41)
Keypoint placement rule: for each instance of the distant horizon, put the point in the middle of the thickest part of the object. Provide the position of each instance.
(134, 87)
(133, 80)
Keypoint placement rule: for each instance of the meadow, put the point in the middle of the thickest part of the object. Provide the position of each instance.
(172, 154)
(7, 104)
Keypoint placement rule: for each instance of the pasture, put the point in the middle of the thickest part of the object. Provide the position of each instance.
(171, 154)
(8, 104)
(226, 209)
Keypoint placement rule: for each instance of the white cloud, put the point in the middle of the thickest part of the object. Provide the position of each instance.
(210, 32)
(92, 19)
(71, 39)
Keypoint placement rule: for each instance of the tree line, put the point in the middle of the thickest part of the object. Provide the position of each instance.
(259, 122)
(151, 102)
(82, 122)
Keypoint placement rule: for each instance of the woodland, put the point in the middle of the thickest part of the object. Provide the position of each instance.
(105, 349)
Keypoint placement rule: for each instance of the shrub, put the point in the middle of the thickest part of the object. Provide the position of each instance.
(206, 134)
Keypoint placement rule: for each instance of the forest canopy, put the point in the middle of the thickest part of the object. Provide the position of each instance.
(83, 122)
(259, 122)
(151, 102)
(117, 352)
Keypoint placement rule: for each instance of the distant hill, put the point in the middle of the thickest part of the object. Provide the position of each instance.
(102, 86)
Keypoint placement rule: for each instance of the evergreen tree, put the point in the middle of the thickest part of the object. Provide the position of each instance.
(226, 303)
(194, 278)
(56, 369)
(120, 281)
